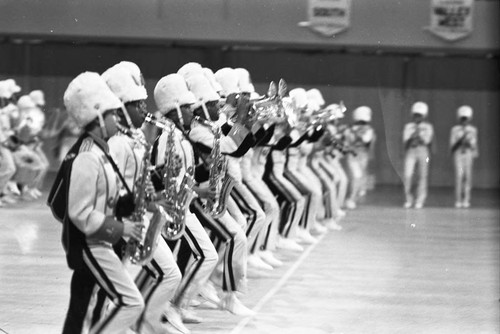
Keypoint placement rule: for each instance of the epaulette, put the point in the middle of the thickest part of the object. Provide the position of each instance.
(86, 145)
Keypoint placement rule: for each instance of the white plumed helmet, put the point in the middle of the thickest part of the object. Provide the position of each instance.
(316, 97)
(38, 97)
(420, 108)
(362, 113)
(5, 92)
(134, 69)
(25, 103)
(299, 96)
(335, 110)
(228, 79)
(464, 111)
(244, 81)
(209, 74)
(121, 82)
(199, 85)
(189, 69)
(13, 86)
(172, 92)
(87, 97)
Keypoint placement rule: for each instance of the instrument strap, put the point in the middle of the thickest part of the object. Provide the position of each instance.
(115, 167)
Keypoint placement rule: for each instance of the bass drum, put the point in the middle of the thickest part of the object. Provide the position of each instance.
(28, 165)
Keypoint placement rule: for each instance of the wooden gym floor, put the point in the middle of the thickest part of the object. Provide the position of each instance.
(390, 270)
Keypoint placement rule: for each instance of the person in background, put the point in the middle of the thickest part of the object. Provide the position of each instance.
(417, 139)
(464, 148)
(361, 138)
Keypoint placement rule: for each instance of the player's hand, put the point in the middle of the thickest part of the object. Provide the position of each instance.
(134, 230)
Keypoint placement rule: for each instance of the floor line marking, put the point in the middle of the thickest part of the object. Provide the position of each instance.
(239, 327)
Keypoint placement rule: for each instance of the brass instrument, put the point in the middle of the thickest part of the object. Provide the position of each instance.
(177, 200)
(218, 179)
(140, 253)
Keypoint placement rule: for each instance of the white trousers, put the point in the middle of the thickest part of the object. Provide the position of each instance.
(463, 162)
(416, 162)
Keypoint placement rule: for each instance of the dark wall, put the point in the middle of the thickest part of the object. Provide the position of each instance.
(388, 83)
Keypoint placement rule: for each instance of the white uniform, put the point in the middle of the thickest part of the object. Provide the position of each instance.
(128, 156)
(359, 138)
(463, 143)
(93, 192)
(417, 139)
(204, 259)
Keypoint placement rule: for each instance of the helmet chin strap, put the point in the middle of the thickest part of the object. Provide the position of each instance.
(127, 117)
(205, 111)
(179, 114)
(102, 125)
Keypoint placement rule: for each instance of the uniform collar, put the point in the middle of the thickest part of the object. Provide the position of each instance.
(100, 142)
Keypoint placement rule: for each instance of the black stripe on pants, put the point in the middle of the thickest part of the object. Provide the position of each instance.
(219, 231)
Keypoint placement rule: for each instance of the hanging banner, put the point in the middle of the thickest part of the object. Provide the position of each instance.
(328, 17)
(451, 19)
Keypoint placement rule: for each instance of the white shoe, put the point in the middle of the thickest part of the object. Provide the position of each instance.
(194, 303)
(419, 205)
(255, 262)
(173, 317)
(303, 236)
(27, 196)
(12, 188)
(36, 192)
(9, 199)
(208, 292)
(232, 304)
(190, 317)
(332, 225)
(350, 204)
(458, 205)
(466, 205)
(318, 229)
(288, 244)
(407, 205)
(268, 257)
(341, 213)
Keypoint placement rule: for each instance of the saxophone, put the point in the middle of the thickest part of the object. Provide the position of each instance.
(140, 253)
(177, 201)
(219, 178)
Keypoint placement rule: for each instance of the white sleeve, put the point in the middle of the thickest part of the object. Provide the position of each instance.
(82, 197)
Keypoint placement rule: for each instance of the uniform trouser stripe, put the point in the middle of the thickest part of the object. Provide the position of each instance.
(191, 271)
(101, 277)
(220, 232)
(288, 206)
(153, 270)
(245, 208)
(106, 284)
(326, 193)
(305, 192)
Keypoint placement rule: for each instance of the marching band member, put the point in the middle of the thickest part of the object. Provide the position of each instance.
(129, 154)
(335, 152)
(463, 145)
(417, 138)
(360, 138)
(7, 164)
(83, 198)
(32, 120)
(174, 101)
(235, 142)
(291, 201)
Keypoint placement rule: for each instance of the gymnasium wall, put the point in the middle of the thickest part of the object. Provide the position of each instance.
(388, 83)
(396, 24)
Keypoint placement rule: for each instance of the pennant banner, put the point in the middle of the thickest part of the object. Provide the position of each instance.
(451, 19)
(328, 17)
